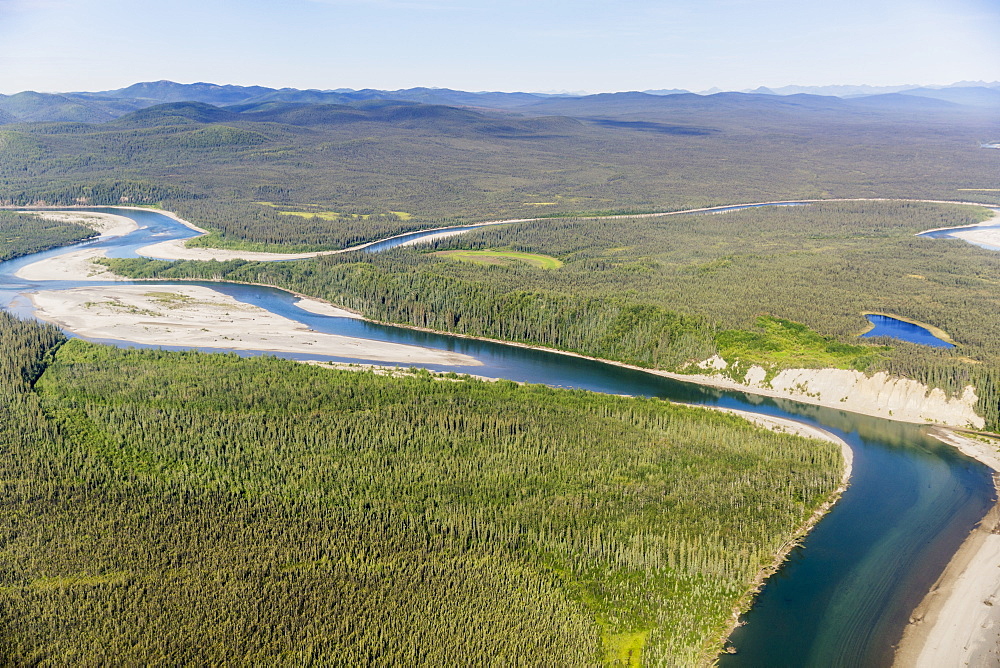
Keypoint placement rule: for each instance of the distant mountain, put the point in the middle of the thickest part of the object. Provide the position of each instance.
(30, 106)
(972, 96)
(614, 105)
(838, 91)
(100, 107)
(903, 102)
(865, 90)
(447, 96)
(291, 95)
(168, 91)
(439, 119)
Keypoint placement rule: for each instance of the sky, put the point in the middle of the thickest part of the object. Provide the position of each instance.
(509, 45)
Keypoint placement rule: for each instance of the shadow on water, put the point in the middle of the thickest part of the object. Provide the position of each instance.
(842, 598)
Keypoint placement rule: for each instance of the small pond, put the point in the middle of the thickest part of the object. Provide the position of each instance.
(905, 331)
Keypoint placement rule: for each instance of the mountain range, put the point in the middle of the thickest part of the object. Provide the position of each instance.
(104, 106)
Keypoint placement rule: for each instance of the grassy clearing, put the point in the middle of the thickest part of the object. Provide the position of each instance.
(782, 344)
(502, 257)
(624, 649)
(323, 215)
(315, 211)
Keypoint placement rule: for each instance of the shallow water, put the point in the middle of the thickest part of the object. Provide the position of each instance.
(842, 599)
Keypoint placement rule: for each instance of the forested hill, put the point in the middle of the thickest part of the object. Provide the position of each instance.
(316, 175)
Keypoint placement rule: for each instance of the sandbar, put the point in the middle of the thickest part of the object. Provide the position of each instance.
(987, 236)
(986, 233)
(108, 224)
(196, 316)
(323, 308)
(176, 250)
(75, 266)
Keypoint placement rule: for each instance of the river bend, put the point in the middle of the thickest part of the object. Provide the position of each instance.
(841, 599)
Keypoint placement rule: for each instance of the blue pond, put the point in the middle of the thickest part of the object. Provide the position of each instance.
(904, 331)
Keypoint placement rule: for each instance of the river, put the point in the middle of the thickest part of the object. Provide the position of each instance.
(841, 599)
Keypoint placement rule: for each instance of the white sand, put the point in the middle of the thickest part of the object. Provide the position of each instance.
(960, 625)
(75, 266)
(323, 308)
(168, 214)
(981, 234)
(958, 622)
(176, 250)
(988, 237)
(197, 316)
(109, 225)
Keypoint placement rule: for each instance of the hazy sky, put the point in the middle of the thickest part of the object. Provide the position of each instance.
(539, 45)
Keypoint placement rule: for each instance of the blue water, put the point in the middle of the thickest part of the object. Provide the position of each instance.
(904, 331)
(842, 599)
(949, 233)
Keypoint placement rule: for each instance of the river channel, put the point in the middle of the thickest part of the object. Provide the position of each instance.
(841, 599)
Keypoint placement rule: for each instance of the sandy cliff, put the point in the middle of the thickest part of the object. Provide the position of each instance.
(880, 395)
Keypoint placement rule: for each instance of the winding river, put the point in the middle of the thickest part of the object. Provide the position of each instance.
(841, 599)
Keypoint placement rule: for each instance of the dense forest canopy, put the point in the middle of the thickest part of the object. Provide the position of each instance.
(23, 234)
(192, 508)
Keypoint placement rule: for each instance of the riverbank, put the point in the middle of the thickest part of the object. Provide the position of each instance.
(958, 622)
(195, 316)
(985, 233)
(797, 428)
(881, 396)
(177, 250)
(878, 396)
